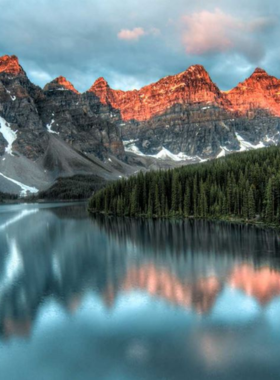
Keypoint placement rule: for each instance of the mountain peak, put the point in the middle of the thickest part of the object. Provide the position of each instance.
(99, 84)
(258, 71)
(62, 81)
(191, 86)
(259, 91)
(101, 80)
(197, 71)
(10, 65)
(101, 89)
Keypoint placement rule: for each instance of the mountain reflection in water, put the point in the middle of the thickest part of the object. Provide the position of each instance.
(123, 299)
(62, 254)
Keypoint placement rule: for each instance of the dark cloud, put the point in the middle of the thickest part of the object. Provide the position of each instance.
(132, 43)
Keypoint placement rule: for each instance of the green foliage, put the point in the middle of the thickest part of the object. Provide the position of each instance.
(4, 197)
(76, 187)
(242, 186)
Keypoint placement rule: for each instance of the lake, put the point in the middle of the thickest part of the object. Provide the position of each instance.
(119, 299)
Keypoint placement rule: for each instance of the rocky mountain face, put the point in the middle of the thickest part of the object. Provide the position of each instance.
(187, 114)
(191, 86)
(184, 118)
(51, 132)
(259, 91)
(76, 118)
(18, 108)
(37, 111)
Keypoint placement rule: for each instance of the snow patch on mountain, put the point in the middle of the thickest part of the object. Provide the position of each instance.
(9, 135)
(24, 188)
(246, 145)
(272, 139)
(163, 154)
(11, 96)
(49, 127)
(129, 146)
(222, 152)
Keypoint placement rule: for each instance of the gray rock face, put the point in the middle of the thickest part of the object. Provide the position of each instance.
(18, 107)
(188, 113)
(78, 121)
(56, 128)
(76, 118)
(56, 131)
(202, 131)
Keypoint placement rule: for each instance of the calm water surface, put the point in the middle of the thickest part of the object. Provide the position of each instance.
(106, 298)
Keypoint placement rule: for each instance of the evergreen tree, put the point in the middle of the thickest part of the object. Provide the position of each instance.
(241, 185)
(175, 192)
(134, 202)
(251, 203)
(157, 203)
(187, 200)
(269, 198)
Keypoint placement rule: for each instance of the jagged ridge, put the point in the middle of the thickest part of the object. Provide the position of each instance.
(60, 83)
(185, 116)
(192, 86)
(10, 65)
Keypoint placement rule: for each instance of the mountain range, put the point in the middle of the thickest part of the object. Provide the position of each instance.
(185, 118)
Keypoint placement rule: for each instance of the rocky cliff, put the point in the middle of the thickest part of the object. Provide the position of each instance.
(50, 132)
(260, 91)
(184, 118)
(187, 115)
(191, 86)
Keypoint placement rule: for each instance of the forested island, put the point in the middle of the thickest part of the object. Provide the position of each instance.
(243, 186)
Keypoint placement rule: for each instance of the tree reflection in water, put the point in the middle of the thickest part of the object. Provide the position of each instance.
(61, 253)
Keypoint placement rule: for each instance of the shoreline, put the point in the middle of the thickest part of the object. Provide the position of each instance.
(258, 224)
(41, 201)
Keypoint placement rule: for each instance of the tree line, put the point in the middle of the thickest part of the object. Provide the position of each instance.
(242, 186)
(76, 187)
(7, 197)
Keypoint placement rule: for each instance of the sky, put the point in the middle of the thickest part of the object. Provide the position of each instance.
(132, 43)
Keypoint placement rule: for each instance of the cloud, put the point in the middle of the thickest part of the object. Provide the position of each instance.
(82, 44)
(40, 76)
(125, 82)
(136, 33)
(131, 35)
(262, 24)
(154, 31)
(208, 33)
